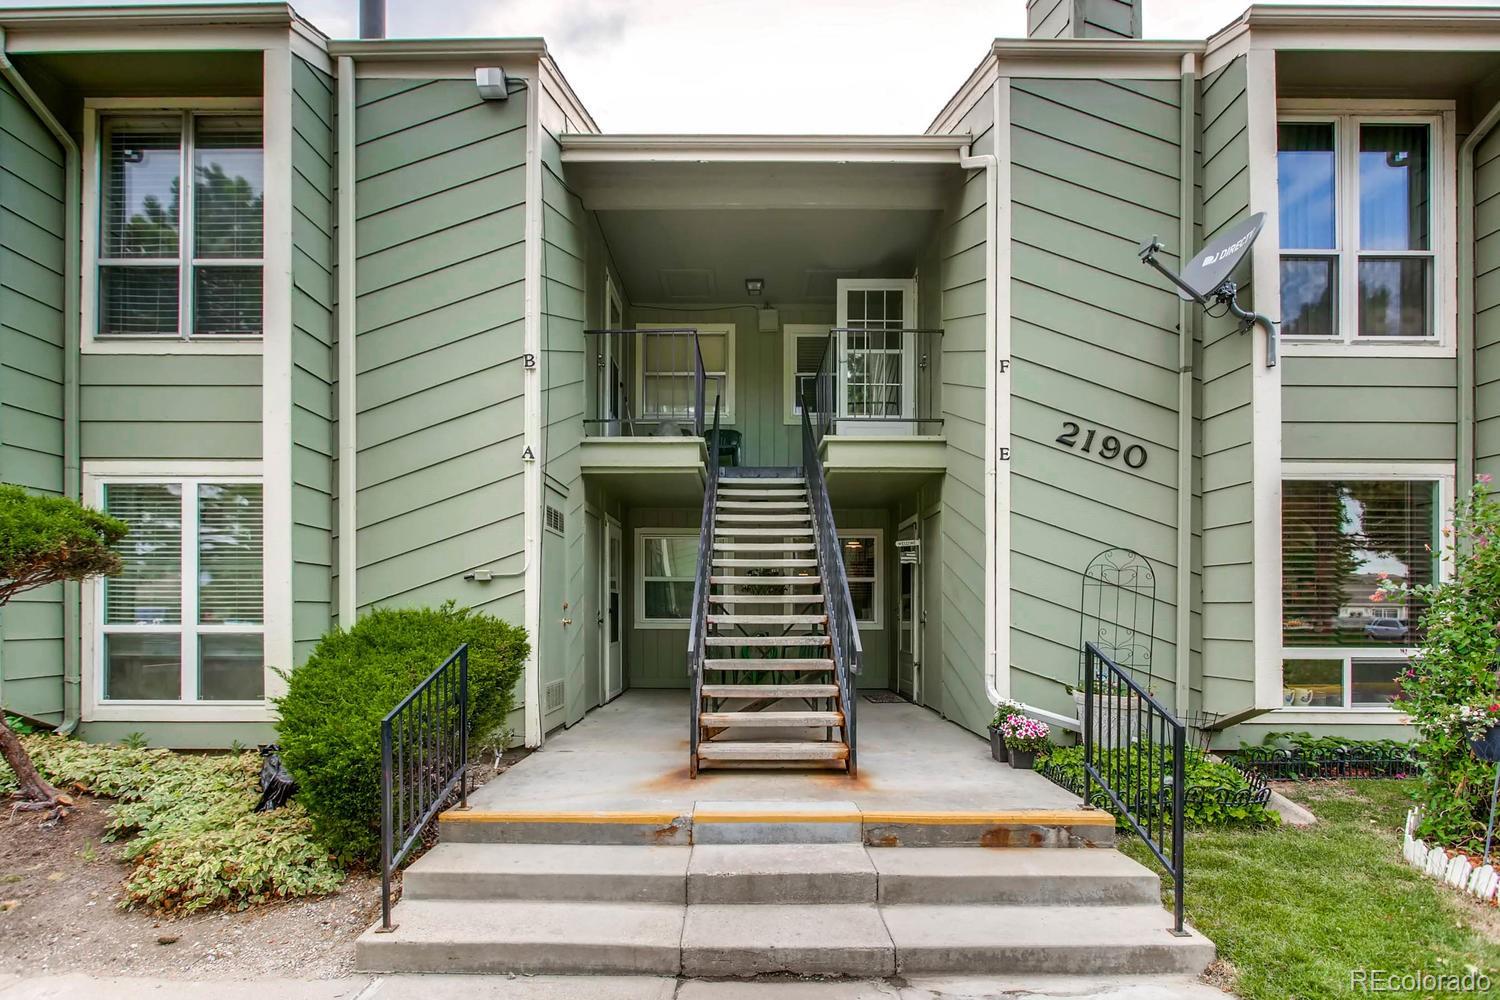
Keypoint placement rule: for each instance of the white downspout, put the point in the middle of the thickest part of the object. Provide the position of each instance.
(348, 452)
(1186, 329)
(72, 277)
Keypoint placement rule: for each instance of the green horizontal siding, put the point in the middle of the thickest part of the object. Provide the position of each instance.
(313, 366)
(1487, 305)
(183, 406)
(1378, 409)
(1094, 342)
(439, 234)
(31, 386)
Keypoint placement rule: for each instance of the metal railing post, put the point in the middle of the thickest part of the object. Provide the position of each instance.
(463, 726)
(387, 833)
(1088, 725)
(1179, 805)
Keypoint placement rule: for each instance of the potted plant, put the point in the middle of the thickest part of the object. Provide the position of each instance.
(1024, 738)
(1004, 710)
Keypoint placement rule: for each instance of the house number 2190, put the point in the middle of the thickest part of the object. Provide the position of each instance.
(1109, 447)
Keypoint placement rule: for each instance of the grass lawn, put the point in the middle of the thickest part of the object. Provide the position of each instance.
(1295, 910)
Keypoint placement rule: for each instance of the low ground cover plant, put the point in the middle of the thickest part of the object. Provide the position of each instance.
(188, 824)
(1217, 794)
(331, 713)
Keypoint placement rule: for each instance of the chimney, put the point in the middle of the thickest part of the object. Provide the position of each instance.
(371, 18)
(1083, 18)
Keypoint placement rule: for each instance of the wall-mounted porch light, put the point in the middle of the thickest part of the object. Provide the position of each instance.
(492, 83)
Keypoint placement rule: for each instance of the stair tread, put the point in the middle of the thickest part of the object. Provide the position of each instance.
(717, 619)
(764, 504)
(767, 563)
(770, 690)
(761, 518)
(768, 640)
(763, 546)
(790, 493)
(1013, 928)
(763, 532)
(765, 598)
(768, 663)
(766, 938)
(780, 580)
(771, 750)
(771, 720)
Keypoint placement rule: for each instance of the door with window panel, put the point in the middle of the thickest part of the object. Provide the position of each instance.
(183, 621)
(877, 351)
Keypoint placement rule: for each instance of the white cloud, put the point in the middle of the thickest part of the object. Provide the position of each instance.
(756, 65)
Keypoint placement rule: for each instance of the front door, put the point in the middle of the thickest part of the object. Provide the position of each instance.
(610, 377)
(614, 664)
(908, 605)
(877, 354)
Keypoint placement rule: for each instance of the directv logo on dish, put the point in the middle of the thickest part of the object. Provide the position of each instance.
(1228, 251)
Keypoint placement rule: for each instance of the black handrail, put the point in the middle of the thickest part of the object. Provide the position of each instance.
(1141, 765)
(653, 411)
(424, 756)
(918, 346)
(843, 628)
(698, 629)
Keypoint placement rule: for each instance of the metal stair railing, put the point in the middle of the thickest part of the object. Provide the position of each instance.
(702, 586)
(838, 604)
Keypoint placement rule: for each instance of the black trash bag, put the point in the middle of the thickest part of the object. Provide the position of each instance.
(276, 783)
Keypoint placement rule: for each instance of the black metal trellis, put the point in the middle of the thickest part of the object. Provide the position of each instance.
(1117, 608)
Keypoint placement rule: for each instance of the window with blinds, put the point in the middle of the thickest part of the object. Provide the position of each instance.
(1340, 540)
(862, 570)
(149, 276)
(184, 619)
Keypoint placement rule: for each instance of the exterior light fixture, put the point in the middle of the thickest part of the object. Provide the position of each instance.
(492, 83)
(754, 286)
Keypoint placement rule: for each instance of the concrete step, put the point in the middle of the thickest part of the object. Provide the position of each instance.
(583, 872)
(1063, 940)
(781, 873)
(770, 690)
(771, 720)
(1021, 875)
(527, 938)
(830, 940)
(769, 663)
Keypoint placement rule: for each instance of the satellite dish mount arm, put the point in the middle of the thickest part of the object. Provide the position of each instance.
(1215, 287)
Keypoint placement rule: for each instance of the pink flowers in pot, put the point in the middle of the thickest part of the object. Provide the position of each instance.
(1024, 733)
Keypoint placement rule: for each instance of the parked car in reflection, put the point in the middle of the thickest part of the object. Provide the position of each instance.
(1387, 629)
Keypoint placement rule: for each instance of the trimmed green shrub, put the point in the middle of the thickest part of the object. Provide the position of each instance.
(188, 824)
(1217, 794)
(331, 712)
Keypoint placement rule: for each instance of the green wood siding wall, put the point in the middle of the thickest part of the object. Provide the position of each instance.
(313, 369)
(31, 385)
(565, 227)
(961, 259)
(440, 230)
(181, 406)
(1381, 409)
(1227, 423)
(1083, 19)
(1487, 306)
(1094, 340)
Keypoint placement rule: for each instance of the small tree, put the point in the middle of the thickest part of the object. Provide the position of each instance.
(46, 540)
(1452, 688)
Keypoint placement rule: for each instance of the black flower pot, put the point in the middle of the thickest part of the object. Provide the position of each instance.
(997, 746)
(1487, 747)
(1023, 760)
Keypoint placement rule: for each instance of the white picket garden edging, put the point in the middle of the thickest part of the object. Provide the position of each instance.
(1480, 881)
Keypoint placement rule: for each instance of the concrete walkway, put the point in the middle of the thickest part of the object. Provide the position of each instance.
(80, 987)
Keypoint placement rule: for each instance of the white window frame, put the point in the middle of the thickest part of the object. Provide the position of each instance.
(726, 414)
(1442, 473)
(639, 575)
(878, 601)
(1347, 116)
(95, 708)
(95, 110)
(791, 332)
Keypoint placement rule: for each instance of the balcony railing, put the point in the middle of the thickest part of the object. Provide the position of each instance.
(875, 381)
(648, 383)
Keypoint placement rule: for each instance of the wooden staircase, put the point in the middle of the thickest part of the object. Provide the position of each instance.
(769, 696)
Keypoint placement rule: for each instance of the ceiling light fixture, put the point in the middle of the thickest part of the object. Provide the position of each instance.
(754, 286)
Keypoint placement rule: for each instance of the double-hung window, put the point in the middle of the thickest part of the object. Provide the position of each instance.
(862, 564)
(184, 619)
(1361, 215)
(666, 375)
(180, 226)
(1344, 641)
(668, 572)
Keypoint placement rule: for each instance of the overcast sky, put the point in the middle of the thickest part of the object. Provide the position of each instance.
(756, 65)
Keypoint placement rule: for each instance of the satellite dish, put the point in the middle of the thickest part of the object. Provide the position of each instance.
(1205, 280)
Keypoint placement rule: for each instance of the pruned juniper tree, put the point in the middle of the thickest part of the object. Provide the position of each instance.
(47, 540)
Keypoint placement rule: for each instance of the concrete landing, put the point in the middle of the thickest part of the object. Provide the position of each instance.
(632, 755)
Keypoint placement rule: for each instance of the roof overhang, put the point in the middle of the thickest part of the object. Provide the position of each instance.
(1366, 28)
(150, 15)
(711, 149)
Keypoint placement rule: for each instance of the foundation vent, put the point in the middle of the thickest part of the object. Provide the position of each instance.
(555, 520)
(554, 696)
